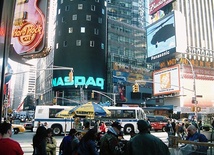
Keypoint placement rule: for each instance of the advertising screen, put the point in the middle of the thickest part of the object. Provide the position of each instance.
(161, 38)
(166, 36)
(166, 81)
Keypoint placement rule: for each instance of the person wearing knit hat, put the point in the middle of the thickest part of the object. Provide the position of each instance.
(146, 143)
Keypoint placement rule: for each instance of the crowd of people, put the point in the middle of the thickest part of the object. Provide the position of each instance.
(100, 140)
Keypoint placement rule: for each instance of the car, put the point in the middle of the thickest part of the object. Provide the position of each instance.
(28, 126)
(18, 128)
(158, 122)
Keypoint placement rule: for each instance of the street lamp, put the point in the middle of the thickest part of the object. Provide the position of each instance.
(194, 99)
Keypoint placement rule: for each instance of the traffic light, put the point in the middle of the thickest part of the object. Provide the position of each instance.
(92, 95)
(135, 88)
(71, 76)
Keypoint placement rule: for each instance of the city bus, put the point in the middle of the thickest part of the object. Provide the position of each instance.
(47, 114)
(127, 116)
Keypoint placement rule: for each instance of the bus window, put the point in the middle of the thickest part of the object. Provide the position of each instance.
(53, 112)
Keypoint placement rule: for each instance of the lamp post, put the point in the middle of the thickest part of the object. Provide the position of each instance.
(194, 99)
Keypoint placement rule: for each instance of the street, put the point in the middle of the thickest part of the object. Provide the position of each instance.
(25, 140)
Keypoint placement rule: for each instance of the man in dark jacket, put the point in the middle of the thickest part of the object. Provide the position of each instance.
(109, 143)
(65, 147)
(145, 143)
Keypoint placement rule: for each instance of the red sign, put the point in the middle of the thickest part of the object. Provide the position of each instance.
(157, 5)
(28, 26)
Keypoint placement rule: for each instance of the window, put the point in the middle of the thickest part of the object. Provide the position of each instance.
(70, 30)
(103, 11)
(93, 7)
(96, 31)
(61, 1)
(64, 43)
(78, 42)
(100, 20)
(88, 17)
(67, 8)
(80, 6)
(57, 45)
(97, 1)
(82, 30)
(91, 43)
(102, 46)
(63, 19)
(74, 17)
(59, 11)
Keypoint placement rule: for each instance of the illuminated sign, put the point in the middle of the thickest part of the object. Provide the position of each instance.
(28, 27)
(166, 81)
(166, 37)
(78, 80)
(157, 5)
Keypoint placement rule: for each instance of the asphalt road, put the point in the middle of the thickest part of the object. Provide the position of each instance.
(25, 140)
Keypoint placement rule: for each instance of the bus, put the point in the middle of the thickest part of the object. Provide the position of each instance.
(46, 114)
(127, 116)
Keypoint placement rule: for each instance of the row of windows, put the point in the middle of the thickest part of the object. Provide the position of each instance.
(82, 30)
(79, 0)
(79, 43)
(88, 18)
(80, 7)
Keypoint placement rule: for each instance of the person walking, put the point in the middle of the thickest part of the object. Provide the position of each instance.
(87, 145)
(65, 146)
(193, 135)
(6, 141)
(109, 143)
(51, 143)
(39, 141)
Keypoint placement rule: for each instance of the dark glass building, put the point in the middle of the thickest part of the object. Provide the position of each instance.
(80, 43)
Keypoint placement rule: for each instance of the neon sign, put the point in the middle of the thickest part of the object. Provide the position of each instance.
(78, 80)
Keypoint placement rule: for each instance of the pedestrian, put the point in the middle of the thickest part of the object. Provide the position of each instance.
(146, 143)
(212, 123)
(65, 146)
(173, 126)
(103, 127)
(169, 130)
(8, 146)
(110, 143)
(86, 127)
(51, 143)
(87, 145)
(46, 125)
(75, 143)
(193, 135)
(39, 141)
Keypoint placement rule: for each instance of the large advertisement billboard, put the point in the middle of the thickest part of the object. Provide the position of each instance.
(156, 5)
(28, 33)
(166, 81)
(166, 36)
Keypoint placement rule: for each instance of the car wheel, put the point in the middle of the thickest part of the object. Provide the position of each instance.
(57, 129)
(16, 131)
(128, 128)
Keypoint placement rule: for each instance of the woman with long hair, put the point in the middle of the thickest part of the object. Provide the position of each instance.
(39, 141)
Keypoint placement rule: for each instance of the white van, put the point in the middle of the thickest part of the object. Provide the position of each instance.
(46, 114)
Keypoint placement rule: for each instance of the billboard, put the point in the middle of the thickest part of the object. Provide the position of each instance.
(166, 36)
(166, 81)
(156, 5)
(28, 33)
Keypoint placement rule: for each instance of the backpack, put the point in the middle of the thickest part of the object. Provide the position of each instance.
(181, 129)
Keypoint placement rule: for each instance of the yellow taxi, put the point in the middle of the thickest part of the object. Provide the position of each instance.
(18, 128)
